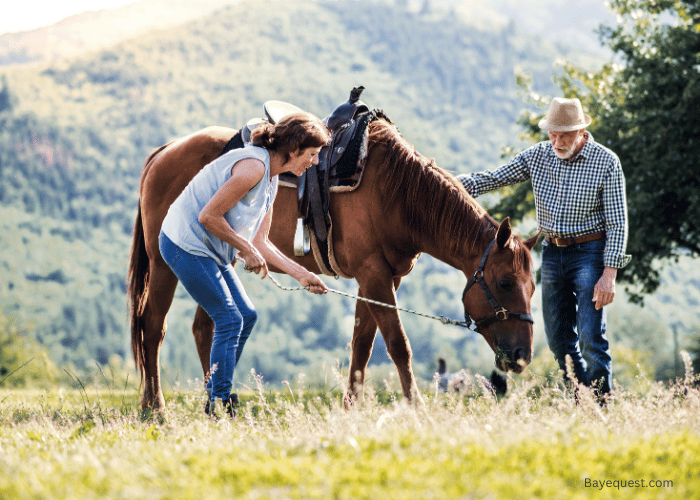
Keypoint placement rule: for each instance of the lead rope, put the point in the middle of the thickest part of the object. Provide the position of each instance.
(442, 319)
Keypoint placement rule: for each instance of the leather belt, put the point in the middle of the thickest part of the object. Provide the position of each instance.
(565, 242)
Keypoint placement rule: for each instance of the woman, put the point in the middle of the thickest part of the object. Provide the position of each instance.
(224, 214)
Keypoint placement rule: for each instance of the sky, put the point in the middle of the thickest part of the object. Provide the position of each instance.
(28, 14)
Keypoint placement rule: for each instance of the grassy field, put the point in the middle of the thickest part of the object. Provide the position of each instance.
(536, 442)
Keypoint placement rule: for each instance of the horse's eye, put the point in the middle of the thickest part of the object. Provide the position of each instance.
(506, 284)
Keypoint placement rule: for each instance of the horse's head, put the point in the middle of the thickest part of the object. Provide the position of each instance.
(498, 298)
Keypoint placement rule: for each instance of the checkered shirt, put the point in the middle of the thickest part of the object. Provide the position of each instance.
(582, 195)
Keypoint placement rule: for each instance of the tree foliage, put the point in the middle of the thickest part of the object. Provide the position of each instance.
(644, 107)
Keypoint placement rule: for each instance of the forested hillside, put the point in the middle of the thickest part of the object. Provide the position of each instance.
(74, 136)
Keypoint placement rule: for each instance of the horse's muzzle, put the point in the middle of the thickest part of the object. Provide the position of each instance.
(514, 360)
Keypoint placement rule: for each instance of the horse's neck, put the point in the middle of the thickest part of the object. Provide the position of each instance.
(465, 253)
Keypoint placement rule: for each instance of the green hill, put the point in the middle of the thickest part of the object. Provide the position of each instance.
(74, 135)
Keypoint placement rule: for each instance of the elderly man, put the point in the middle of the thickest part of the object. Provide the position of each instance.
(581, 208)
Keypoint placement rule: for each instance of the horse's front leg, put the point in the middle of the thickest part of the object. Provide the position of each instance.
(380, 285)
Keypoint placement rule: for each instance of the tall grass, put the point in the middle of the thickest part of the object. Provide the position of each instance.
(299, 443)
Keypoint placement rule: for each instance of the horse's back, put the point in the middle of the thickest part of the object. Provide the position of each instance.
(168, 171)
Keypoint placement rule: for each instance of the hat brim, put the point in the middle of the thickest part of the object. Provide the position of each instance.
(277, 110)
(545, 125)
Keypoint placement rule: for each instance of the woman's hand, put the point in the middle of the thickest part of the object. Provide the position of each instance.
(314, 284)
(283, 263)
(253, 261)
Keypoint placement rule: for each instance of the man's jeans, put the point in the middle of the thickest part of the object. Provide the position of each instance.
(571, 322)
(220, 293)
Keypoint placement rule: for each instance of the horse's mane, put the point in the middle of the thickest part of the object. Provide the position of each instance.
(432, 201)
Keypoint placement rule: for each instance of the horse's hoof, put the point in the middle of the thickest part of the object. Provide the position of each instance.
(499, 383)
(349, 401)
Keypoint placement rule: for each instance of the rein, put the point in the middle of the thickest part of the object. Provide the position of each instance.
(442, 319)
(501, 313)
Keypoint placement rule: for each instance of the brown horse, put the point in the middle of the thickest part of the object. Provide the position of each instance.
(405, 206)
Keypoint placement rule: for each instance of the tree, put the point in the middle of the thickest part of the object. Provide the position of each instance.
(23, 362)
(6, 98)
(645, 108)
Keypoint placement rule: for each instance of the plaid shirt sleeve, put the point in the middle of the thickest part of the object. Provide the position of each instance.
(513, 172)
(615, 211)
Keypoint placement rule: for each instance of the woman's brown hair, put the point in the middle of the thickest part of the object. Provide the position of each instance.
(295, 132)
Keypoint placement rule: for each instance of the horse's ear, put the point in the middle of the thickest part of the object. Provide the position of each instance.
(531, 242)
(504, 233)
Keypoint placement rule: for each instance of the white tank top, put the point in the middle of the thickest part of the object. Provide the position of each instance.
(182, 225)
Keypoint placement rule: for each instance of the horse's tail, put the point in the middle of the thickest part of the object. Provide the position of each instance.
(137, 284)
(137, 290)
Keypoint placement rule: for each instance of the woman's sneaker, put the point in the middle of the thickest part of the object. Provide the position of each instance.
(230, 406)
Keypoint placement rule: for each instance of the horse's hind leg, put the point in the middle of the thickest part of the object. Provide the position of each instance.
(362, 342)
(203, 331)
(161, 289)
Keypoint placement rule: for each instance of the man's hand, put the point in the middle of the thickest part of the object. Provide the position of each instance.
(604, 291)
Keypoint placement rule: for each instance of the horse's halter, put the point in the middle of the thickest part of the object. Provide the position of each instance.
(501, 313)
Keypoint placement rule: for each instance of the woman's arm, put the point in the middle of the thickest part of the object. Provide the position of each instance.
(245, 174)
(275, 257)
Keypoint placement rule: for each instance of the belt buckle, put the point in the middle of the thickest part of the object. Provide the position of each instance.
(560, 245)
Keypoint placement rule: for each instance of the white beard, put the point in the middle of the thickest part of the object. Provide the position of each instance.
(564, 156)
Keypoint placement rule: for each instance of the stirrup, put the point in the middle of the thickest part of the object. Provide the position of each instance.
(302, 240)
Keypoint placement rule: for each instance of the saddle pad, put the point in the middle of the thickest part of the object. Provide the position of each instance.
(346, 175)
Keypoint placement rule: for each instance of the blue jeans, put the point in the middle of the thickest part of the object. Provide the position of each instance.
(220, 293)
(571, 322)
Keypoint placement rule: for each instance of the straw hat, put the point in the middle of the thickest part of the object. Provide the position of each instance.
(565, 115)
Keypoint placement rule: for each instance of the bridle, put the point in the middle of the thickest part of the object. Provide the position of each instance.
(501, 313)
